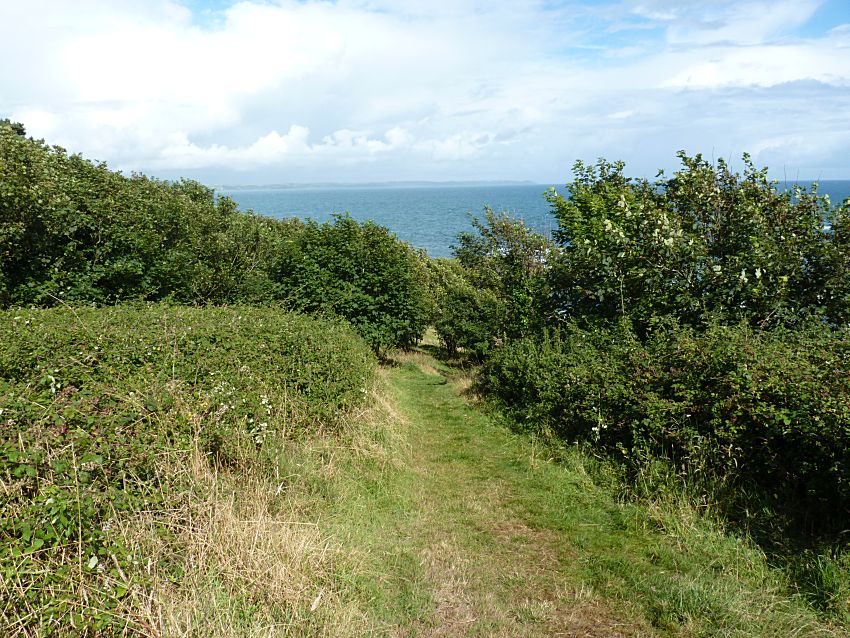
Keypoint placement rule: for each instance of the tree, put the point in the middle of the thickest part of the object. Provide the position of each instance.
(17, 127)
(498, 288)
(707, 241)
(360, 272)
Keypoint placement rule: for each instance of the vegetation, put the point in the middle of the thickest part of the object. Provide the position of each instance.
(495, 290)
(706, 242)
(700, 321)
(74, 231)
(519, 537)
(105, 410)
(359, 272)
(231, 467)
(765, 410)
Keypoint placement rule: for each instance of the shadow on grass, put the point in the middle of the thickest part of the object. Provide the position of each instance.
(460, 360)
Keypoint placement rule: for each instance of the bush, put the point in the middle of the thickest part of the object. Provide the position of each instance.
(101, 410)
(758, 409)
(360, 272)
(73, 230)
(707, 241)
(496, 288)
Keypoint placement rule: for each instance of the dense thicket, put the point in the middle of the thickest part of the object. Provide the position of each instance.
(496, 289)
(357, 271)
(766, 409)
(102, 410)
(700, 318)
(74, 231)
(706, 241)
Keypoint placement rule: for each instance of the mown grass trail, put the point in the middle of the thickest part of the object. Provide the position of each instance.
(486, 536)
(494, 564)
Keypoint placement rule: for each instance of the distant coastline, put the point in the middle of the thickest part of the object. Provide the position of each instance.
(784, 184)
(370, 185)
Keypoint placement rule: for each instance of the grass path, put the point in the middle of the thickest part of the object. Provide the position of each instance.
(492, 559)
(477, 533)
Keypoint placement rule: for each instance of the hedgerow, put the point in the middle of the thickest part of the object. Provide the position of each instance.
(695, 327)
(102, 410)
(757, 409)
(495, 289)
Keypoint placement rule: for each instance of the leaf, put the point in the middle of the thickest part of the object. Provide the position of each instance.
(316, 601)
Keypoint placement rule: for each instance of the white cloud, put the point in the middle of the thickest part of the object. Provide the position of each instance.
(696, 22)
(767, 65)
(413, 89)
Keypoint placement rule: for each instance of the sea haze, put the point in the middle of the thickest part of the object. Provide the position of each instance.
(428, 217)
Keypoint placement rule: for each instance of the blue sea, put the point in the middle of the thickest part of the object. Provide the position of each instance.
(428, 217)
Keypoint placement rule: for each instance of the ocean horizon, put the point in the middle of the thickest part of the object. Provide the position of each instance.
(427, 215)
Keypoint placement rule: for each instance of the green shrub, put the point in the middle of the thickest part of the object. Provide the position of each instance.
(101, 412)
(496, 287)
(462, 315)
(707, 241)
(73, 230)
(360, 272)
(767, 410)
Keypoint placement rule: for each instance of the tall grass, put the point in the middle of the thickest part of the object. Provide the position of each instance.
(150, 464)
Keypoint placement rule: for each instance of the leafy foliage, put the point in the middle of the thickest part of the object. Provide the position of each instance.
(702, 320)
(17, 127)
(359, 272)
(756, 408)
(707, 241)
(72, 231)
(101, 410)
(465, 316)
(497, 288)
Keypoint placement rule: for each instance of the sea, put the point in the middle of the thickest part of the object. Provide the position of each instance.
(426, 216)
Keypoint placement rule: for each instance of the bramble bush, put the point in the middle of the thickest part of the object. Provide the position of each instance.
(463, 316)
(700, 318)
(73, 230)
(102, 410)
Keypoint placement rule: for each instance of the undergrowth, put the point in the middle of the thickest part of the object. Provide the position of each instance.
(140, 443)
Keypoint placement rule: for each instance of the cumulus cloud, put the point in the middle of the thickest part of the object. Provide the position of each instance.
(359, 90)
(274, 148)
(695, 22)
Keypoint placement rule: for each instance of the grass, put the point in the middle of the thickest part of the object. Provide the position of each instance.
(520, 539)
(417, 514)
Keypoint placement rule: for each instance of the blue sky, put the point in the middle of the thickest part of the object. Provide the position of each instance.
(380, 90)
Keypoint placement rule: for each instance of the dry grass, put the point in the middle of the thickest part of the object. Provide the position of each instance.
(248, 567)
(248, 553)
(418, 358)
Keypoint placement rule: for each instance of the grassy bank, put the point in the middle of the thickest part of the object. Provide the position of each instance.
(145, 465)
(142, 495)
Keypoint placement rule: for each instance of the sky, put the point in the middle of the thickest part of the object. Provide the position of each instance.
(262, 92)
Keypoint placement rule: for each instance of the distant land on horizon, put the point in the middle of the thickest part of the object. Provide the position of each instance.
(783, 183)
(391, 184)
(428, 215)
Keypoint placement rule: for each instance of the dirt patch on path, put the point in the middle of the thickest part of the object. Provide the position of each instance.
(511, 588)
